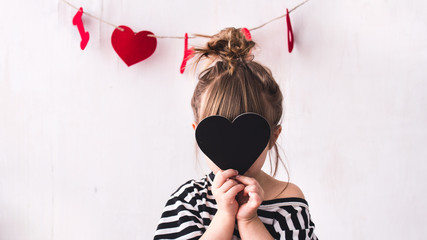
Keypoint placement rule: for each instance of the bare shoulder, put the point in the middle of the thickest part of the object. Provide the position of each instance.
(291, 190)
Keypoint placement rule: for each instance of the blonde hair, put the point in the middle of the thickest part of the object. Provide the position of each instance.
(235, 84)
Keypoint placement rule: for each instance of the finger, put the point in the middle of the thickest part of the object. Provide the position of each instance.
(229, 173)
(222, 176)
(233, 191)
(254, 199)
(251, 188)
(247, 180)
(254, 189)
(227, 185)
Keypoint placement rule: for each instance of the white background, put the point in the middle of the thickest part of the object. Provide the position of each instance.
(91, 148)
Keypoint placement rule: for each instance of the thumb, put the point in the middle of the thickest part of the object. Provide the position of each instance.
(254, 199)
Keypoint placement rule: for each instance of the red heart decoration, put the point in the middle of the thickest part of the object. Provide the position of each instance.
(133, 47)
(290, 32)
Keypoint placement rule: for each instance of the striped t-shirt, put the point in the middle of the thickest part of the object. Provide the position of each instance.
(190, 210)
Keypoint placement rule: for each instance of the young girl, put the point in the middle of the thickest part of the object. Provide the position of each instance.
(223, 204)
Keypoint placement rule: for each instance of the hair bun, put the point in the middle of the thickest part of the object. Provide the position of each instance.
(229, 45)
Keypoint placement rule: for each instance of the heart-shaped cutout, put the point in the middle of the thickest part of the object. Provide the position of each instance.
(133, 47)
(233, 145)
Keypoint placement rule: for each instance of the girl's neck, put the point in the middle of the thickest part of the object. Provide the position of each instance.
(263, 179)
(271, 186)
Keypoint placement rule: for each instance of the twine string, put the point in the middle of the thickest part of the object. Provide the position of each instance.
(277, 18)
(92, 16)
(196, 35)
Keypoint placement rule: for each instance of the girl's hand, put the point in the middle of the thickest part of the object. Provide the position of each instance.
(249, 199)
(225, 190)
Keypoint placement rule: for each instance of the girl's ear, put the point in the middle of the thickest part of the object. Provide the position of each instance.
(276, 134)
(194, 125)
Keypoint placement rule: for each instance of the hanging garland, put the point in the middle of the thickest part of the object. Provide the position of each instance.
(133, 47)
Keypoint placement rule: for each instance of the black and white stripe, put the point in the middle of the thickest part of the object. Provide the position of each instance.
(190, 209)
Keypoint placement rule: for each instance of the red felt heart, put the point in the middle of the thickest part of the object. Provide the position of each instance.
(133, 47)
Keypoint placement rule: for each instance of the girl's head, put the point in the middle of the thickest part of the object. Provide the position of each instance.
(234, 84)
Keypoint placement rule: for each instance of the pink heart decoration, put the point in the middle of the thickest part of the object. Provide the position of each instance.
(77, 20)
(188, 53)
(133, 47)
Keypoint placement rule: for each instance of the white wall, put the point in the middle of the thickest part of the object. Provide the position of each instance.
(91, 149)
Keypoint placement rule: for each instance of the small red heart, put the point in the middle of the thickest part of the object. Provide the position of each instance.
(133, 47)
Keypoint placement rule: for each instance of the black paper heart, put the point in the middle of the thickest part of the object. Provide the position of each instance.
(233, 145)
